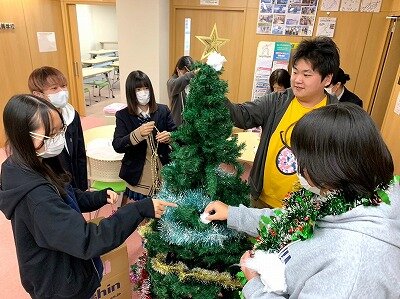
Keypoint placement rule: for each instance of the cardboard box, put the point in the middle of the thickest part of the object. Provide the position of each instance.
(117, 286)
(115, 282)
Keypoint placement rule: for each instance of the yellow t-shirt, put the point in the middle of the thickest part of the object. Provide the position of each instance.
(280, 166)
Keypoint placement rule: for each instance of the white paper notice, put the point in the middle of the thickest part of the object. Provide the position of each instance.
(397, 106)
(326, 26)
(330, 5)
(370, 5)
(186, 43)
(350, 5)
(209, 2)
(47, 41)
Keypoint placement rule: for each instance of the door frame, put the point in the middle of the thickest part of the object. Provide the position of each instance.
(70, 26)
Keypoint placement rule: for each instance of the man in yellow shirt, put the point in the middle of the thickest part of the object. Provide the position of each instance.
(273, 174)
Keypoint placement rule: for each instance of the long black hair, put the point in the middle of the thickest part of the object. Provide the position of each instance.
(23, 114)
(138, 79)
(183, 62)
(341, 148)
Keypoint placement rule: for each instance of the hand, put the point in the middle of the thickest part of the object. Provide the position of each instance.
(249, 273)
(160, 206)
(146, 128)
(112, 197)
(218, 209)
(163, 137)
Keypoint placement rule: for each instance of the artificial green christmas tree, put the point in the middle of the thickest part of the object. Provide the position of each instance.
(185, 257)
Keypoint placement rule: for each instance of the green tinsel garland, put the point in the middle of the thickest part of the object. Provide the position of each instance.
(301, 210)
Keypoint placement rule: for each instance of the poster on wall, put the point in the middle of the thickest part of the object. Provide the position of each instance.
(330, 5)
(370, 5)
(287, 17)
(326, 26)
(270, 56)
(350, 5)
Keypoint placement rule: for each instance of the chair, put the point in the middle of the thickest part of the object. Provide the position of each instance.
(87, 90)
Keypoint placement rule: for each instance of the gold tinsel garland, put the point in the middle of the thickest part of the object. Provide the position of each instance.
(183, 272)
(145, 228)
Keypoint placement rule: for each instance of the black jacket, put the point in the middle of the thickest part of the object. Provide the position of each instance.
(54, 243)
(135, 155)
(348, 96)
(75, 161)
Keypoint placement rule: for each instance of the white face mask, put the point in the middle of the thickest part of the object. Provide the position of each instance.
(53, 146)
(306, 185)
(59, 99)
(143, 97)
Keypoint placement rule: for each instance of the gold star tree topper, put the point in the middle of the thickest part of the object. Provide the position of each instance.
(212, 43)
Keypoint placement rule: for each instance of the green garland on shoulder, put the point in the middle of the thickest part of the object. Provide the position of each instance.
(301, 210)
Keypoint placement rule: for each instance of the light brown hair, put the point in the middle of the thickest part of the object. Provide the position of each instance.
(45, 76)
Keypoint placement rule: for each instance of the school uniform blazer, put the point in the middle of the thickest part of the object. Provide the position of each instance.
(74, 161)
(348, 96)
(135, 155)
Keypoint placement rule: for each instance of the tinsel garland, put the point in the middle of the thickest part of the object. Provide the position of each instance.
(184, 273)
(174, 232)
(301, 210)
(140, 278)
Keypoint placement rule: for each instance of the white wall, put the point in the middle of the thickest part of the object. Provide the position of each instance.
(143, 35)
(96, 23)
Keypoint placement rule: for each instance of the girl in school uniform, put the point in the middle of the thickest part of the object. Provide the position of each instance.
(142, 133)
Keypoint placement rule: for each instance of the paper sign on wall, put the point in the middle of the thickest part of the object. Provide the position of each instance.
(270, 56)
(46, 41)
(186, 42)
(330, 5)
(209, 2)
(286, 17)
(326, 26)
(397, 105)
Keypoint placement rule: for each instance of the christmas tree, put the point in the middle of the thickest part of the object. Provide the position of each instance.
(187, 258)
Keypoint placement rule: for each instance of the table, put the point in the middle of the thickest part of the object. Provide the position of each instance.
(106, 131)
(100, 60)
(251, 140)
(88, 72)
(102, 52)
(102, 149)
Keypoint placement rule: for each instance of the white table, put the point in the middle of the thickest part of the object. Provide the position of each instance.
(103, 52)
(100, 60)
(102, 149)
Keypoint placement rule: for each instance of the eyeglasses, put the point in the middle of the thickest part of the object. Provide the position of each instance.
(51, 139)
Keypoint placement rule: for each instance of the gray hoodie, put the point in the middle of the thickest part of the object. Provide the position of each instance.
(352, 255)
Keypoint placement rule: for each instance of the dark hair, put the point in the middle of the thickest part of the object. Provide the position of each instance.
(44, 77)
(184, 61)
(23, 114)
(321, 52)
(341, 148)
(138, 79)
(341, 77)
(280, 77)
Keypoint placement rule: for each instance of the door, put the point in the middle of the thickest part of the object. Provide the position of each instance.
(390, 62)
(15, 59)
(230, 25)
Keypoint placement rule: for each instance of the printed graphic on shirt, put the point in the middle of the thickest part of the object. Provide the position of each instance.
(285, 160)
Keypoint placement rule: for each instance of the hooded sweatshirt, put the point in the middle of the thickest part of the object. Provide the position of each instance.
(55, 245)
(352, 255)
